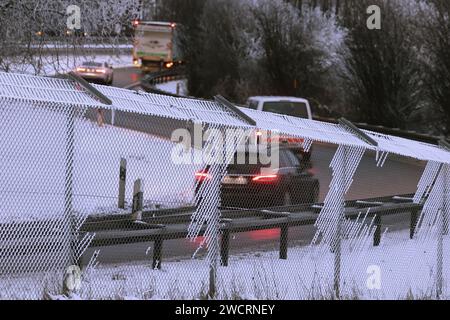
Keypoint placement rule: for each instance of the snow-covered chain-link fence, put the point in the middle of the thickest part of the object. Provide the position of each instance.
(117, 190)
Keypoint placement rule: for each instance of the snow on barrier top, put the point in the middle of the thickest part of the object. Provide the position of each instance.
(336, 134)
(32, 88)
(171, 107)
(64, 91)
(410, 148)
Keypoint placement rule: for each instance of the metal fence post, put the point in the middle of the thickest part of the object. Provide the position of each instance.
(214, 243)
(413, 223)
(68, 185)
(445, 200)
(342, 173)
(122, 182)
(442, 227)
(439, 251)
(213, 248)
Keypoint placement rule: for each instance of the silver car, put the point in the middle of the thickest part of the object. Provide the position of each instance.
(96, 71)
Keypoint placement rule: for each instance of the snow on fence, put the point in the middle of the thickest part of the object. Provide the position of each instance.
(103, 197)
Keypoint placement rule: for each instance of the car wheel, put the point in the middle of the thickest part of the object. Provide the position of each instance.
(287, 199)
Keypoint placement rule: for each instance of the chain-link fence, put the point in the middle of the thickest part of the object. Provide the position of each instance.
(115, 194)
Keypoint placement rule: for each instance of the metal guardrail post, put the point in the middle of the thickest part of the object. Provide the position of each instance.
(87, 86)
(356, 131)
(157, 253)
(284, 234)
(444, 145)
(138, 198)
(228, 105)
(225, 246)
(377, 234)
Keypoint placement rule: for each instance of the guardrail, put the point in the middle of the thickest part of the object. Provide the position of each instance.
(179, 73)
(150, 80)
(408, 134)
(160, 225)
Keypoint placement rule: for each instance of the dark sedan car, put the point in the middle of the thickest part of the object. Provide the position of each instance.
(245, 186)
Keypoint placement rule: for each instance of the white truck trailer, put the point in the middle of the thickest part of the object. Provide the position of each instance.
(155, 45)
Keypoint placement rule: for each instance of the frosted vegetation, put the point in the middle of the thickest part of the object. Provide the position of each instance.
(398, 76)
(35, 37)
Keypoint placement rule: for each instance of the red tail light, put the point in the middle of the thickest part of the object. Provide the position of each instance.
(266, 178)
(202, 176)
(135, 23)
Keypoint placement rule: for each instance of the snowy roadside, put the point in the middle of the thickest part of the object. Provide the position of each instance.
(35, 189)
(51, 65)
(178, 87)
(407, 271)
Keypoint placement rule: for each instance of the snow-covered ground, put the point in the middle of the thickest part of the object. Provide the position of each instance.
(176, 87)
(33, 175)
(407, 270)
(51, 64)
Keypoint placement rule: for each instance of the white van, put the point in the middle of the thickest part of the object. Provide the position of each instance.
(291, 106)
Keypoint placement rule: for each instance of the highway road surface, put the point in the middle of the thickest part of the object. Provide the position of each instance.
(123, 77)
(398, 176)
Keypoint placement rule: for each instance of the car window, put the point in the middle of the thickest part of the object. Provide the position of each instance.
(92, 64)
(284, 160)
(243, 164)
(253, 104)
(293, 160)
(295, 109)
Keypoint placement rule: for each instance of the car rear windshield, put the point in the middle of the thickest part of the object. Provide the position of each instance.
(295, 109)
(244, 164)
(92, 64)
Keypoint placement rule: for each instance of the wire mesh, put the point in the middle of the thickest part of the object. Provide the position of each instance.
(157, 197)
